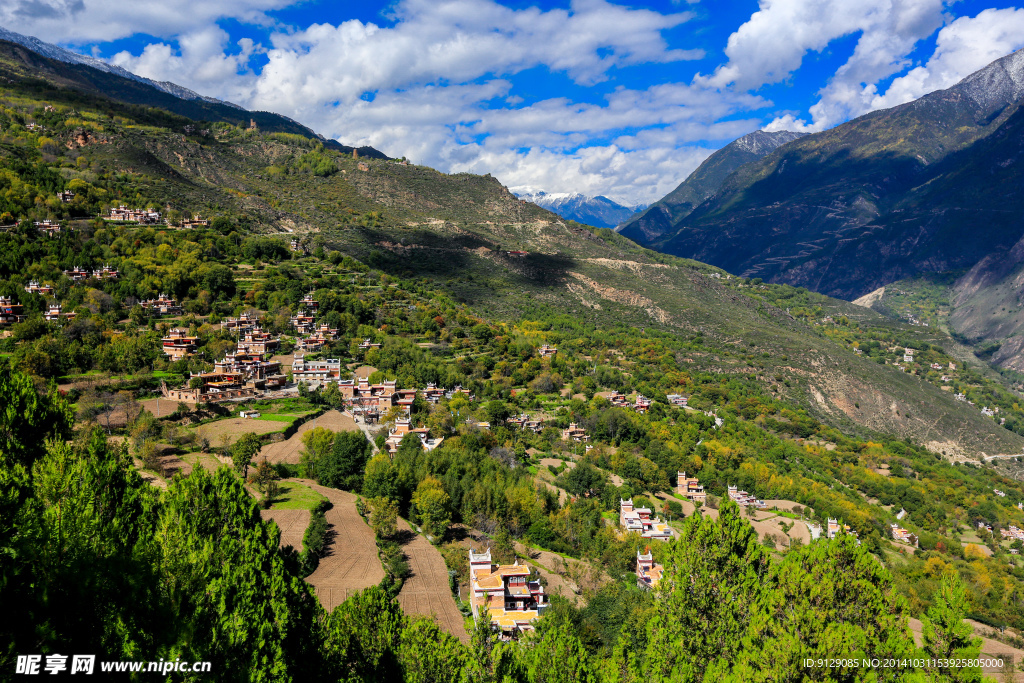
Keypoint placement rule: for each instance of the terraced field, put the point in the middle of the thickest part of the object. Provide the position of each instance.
(289, 451)
(351, 563)
(427, 591)
(292, 523)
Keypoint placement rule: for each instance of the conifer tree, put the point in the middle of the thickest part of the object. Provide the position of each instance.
(712, 581)
(946, 635)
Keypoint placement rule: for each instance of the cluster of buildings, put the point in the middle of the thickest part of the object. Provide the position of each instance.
(320, 337)
(55, 314)
(79, 274)
(370, 401)
(505, 594)
(1013, 533)
(10, 312)
(239, 374)
(903, 535)
(65, 196)
(575, 433)
(744, 499)
(691, 488)
(546, 351)
(48, 227)
(833, 528)
(162, 305)
(195, 222)
(404, 426)
(142, 216)
(641, 521)
(243, 323)
(179, 343)
(641, 404)
(524, 421)
(35, 288)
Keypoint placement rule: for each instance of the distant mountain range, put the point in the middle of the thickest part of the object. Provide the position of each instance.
(29, 57)
(598, 211)
(929, 186)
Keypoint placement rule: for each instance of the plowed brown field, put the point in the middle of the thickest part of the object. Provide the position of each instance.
(427, 590)
(351, 563)
(289, 451)
(292, 523)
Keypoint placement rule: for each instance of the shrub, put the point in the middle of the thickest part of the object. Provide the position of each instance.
(314, 542)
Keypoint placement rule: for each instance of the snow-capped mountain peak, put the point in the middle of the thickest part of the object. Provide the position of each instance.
(599, 211)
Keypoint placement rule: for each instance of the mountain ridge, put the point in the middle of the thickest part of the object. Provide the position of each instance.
(849, 209)
(702, 183)
(64, 55)
(70, 70)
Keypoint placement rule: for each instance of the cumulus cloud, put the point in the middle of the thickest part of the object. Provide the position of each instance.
(437, 81)
(436, 86)
(773, 43)
(629, 177)
(964, 46)
(204, 56)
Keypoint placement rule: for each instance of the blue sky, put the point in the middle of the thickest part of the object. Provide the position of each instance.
(583, 95)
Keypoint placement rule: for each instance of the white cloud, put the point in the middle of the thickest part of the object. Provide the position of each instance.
(629, 177)
(202, 56)
(437, 83)
(773, 43)
(964, 46)
(435, 86)
(82, 22)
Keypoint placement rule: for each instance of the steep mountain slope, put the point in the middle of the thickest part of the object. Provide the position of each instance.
(25, 65)
(599, 211)
(880, 198)
(665, 214)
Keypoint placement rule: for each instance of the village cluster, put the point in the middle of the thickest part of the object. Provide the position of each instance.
(120, 214)
(507, 595)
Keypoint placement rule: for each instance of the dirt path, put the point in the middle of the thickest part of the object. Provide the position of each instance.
(352, 563)
(427, 590)
(288, 451)
(292, 524)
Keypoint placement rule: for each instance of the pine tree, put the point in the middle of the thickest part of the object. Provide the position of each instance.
(430, 655)
(712, 581)
(831, 599)
(946, 635)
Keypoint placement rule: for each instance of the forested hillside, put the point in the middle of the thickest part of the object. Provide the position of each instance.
(133, 525)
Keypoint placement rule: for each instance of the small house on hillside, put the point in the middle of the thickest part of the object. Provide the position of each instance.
(505, 595)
